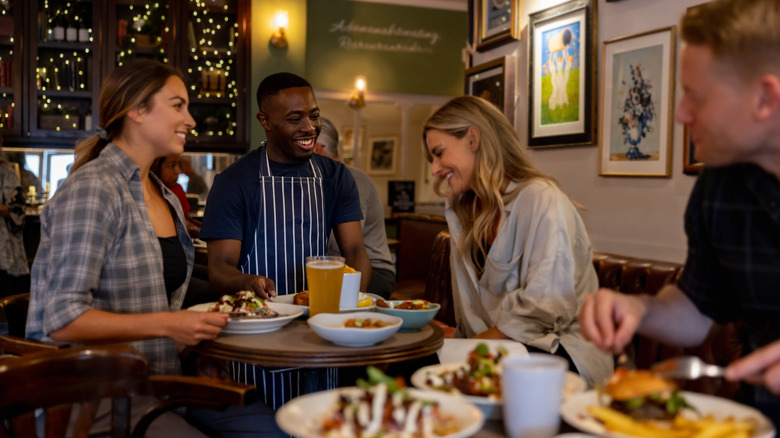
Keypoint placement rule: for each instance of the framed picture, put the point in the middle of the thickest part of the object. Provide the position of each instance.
(494, 81)
(347, 152)
(497, 22)
(381, 155)
(400, 195)
(691, 166)
(637, 104)
(562, 75)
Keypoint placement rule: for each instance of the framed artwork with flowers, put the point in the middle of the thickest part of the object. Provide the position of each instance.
(637, 104)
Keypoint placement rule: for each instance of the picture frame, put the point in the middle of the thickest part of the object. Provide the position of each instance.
(637, 104)
(496, 22)
(562, 75)
(382, 153)
(347, 152)
(691, 166)
(400, 196)
(494, 81)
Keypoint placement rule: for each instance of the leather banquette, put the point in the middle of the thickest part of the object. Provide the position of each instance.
(628, 275)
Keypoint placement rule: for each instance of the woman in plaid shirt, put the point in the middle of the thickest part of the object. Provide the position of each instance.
(115, 259)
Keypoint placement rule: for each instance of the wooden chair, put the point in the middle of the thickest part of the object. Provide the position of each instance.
(438, 285)
(55, 378)
(14, 310)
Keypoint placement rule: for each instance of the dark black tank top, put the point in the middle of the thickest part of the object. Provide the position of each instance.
(174, 263)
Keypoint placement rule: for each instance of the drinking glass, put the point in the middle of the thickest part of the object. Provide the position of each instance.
(324, 275)
(531, 388)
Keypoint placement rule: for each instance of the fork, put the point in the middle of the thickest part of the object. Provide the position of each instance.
(625, 361)
(687, 367)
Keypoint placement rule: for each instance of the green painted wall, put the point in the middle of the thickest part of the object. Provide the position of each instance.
(267, 59)
(415, 50)
(399, 49)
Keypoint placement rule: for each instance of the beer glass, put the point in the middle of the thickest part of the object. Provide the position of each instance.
(324, 275)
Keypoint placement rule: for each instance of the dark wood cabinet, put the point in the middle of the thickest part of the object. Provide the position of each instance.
(70, 46)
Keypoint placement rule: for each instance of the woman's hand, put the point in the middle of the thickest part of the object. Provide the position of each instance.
(190, 328)
(492, 333)
(449, 332)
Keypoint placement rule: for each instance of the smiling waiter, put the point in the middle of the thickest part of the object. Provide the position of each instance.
(273, 208)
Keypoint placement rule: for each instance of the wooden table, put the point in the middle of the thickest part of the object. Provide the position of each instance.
(297, 345)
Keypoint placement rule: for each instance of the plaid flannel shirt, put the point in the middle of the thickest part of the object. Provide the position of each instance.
(99, 251)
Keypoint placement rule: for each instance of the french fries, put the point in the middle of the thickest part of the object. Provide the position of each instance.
(680, 427)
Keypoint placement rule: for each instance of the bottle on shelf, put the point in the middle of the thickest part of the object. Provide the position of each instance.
(59, 28)
(83, 27)
(88, 121)
(72, 29)
(44, 27)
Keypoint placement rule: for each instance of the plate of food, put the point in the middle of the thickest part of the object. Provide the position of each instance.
(641, 404)
(366, 302)
(251, 314)
(360, 411)
(478, 380)
(456, 350)
(359, 329)
(415, 313)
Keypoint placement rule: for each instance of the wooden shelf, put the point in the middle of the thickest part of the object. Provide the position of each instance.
(66, 94)
(65, 45)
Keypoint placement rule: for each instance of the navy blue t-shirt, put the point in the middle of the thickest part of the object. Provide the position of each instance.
(233, 207)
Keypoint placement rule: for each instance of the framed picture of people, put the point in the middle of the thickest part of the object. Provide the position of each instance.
(562, 75)
(494, 81)
(637, 104)
(381, 155)
(497, 22)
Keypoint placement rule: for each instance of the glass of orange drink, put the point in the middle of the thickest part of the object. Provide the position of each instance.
(324, 275)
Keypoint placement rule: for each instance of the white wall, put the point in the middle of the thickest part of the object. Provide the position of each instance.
(641, 217)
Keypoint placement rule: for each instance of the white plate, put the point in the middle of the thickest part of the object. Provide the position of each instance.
(302, 416)
(456, 350)
(288, 299)
(491, 408)
(287, 312)
(575, 412)
(330, 326)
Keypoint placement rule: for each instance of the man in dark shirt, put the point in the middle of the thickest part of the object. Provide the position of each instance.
(731, 78)
(274, 207)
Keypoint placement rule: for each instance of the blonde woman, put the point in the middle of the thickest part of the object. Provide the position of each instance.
(521, 258)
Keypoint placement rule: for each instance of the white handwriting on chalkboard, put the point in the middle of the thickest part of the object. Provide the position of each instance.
(348, 43)
(391, 30)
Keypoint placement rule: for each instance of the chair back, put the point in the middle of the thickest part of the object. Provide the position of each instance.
(69, 380)
(416, 233)
(14, 310)
(438, 285)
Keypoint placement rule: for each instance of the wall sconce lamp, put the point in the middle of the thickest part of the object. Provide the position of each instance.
(278, 38)
(358, 99)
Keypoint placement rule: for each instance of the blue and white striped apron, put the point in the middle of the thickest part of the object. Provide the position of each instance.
(291, 227)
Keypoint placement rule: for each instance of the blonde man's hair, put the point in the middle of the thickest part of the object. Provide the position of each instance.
(742, 34)
(500, 157)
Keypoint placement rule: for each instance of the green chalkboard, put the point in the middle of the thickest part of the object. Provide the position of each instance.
(399, 49)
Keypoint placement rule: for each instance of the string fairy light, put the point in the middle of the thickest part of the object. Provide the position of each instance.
(212, 55)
